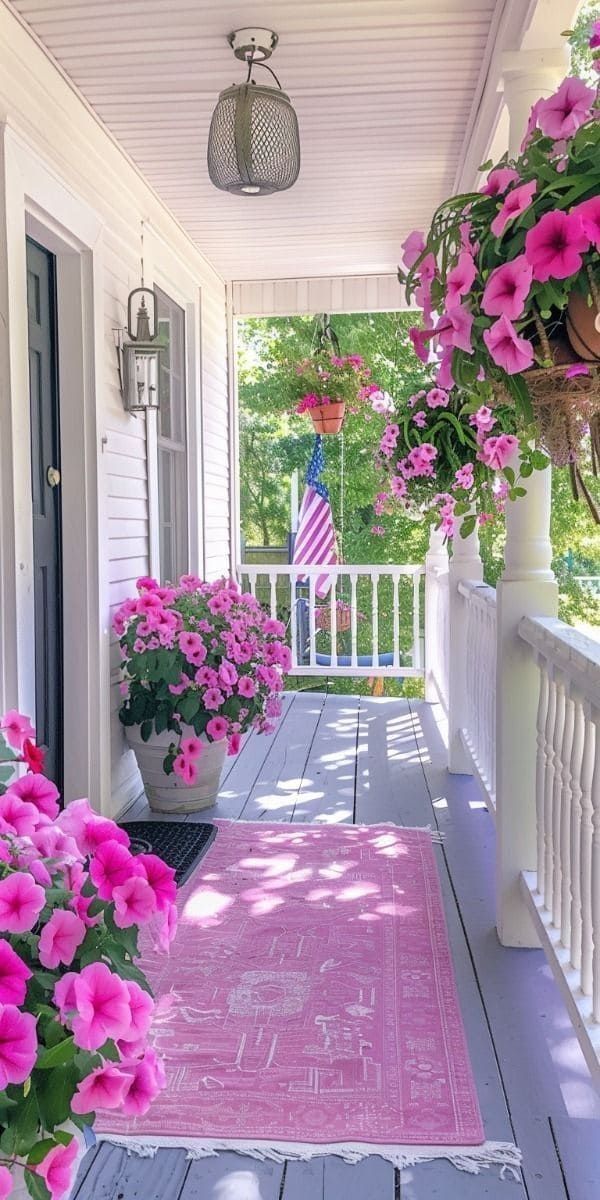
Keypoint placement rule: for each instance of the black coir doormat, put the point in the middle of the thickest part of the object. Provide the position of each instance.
(180, 845)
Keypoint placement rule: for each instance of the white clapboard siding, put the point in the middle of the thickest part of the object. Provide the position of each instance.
(48, 113)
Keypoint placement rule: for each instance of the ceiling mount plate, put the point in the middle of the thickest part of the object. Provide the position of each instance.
(255, 42)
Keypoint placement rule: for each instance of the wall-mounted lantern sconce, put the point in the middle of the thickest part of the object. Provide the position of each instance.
(138, 354)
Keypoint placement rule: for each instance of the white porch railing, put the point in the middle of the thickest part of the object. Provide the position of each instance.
(564, 892)
(378, 606)
(479, 731)
(437, 626)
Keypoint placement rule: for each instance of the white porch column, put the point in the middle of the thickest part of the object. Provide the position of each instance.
(465, 563)
(527, 588)
(436, 578)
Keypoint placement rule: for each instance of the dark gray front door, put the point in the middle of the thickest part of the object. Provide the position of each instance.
(45, 492)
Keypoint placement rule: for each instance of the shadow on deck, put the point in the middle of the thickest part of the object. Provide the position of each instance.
(344, 759)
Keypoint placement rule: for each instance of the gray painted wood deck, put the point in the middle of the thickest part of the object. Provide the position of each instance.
(343, 758)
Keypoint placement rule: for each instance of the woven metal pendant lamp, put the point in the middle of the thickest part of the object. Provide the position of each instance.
(253, 142)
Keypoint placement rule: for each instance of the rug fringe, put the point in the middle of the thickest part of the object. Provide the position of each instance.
(437, 836)
(472, 1159)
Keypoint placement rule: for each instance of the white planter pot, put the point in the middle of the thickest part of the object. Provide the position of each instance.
(168, 793)
(20, 1190)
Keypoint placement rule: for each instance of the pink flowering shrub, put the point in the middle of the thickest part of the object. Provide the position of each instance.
(75, 1009)
(204, 655)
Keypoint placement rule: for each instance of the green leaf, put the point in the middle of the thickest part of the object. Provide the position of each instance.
(40, 1150)
(518, 389)
(57, 1056)
(467, 526)
(36, 1186)
(146, 730)
(55, 1091)
(188, 707)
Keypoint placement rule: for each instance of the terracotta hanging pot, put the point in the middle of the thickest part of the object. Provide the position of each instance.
(583, 324)
(328, 418)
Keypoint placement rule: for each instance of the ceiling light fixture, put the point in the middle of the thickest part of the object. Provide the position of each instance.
(253, 143)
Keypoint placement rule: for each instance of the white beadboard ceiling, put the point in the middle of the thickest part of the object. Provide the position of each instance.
(384, 91)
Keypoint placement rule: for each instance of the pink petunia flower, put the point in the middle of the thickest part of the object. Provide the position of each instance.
(103, 1010)
(217, 728)
(576, 369)
(160, 877)
(191, 747)
(454, 328)
(560, 115)
(506, 289)
(483, 420)
(16, 728)
(36, 789)
(497, 452)
(413, 248)
(192, 647)
(419, 339)
(24, 818)
(589, 212)
(515, 203)
(460, 279)
(228, 673)
(142, 1009)
(444, 378)
(111, 866)
(18, 1045)
(185, 769)
(246, 687)
(89, 829)
(555, 244)
(509, 351)
(498, 180)
(104, 1088)
(57, 1169)
(213, 698)
(234, 742)
(398, 486)
(420, 420)
(60, 939)
(14, 974)
(7, 1180)
(21, 902)
(64, 996)
(145, 1085)
(437, 398)
(134, 902)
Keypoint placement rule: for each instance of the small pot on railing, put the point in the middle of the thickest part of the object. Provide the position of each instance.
(343, 618)
(328, 418)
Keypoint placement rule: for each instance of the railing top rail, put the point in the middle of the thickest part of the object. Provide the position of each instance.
(567, 650)
(409, 569)
(474, 590)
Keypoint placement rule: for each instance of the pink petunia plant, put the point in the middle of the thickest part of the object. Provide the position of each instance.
(76, 1011)
(232, 637)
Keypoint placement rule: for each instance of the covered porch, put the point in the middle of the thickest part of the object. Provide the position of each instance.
(358, 759)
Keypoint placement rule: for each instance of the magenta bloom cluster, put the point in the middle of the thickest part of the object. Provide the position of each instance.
(203, 661)
(72, 999)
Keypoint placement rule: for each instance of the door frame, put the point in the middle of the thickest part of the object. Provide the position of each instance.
(37, 204)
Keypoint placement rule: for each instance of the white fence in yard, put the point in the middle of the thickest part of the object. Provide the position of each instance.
(479, 730)
(370, 622)
(564, 892)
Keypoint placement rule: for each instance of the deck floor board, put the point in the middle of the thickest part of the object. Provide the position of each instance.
(344, 758)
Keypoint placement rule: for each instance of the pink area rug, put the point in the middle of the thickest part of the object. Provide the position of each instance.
(309, 1004)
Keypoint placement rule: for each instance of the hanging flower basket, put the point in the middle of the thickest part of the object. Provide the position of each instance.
(583, 322)
(328, 418)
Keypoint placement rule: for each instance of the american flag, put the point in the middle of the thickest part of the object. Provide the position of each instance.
(315, 539)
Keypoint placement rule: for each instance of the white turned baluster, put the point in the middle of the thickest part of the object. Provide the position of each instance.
(585, 866)
(312, 622)
(353, 617)
(294, 622)
(565, 820)
(273, 593)
(375, 616)
(595, 870)
(333, 620)
(576, 768)
(549, 787)
(416, 655)
(540, 775)
(557, 738)
(396, 602)
(252, 581)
